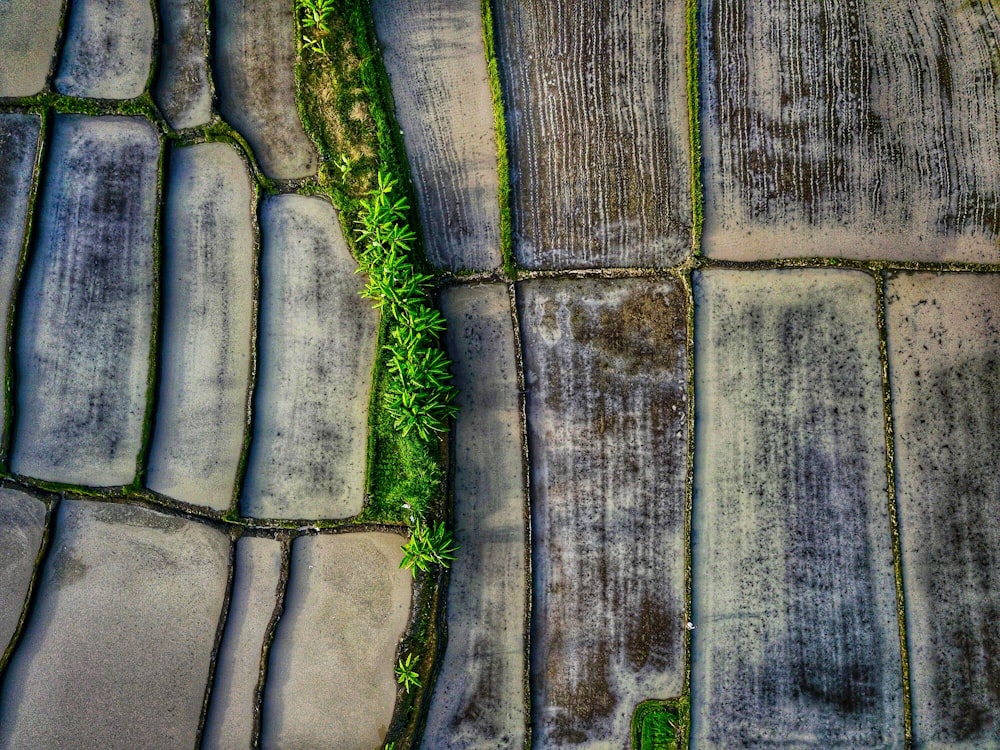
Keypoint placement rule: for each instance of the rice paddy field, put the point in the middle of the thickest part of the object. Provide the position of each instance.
(501, 374)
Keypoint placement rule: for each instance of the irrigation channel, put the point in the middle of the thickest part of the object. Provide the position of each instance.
(722, 288)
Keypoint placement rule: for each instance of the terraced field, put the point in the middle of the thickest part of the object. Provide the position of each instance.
(723, 470)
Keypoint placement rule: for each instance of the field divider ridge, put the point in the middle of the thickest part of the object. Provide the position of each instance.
(17, 290)
(213, 659)
(51, 506)
(890, 476)
(522, 405)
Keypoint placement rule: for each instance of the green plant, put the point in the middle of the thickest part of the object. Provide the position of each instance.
(314, 15)
(419, 394)
(660, 725)
(406, 674)
(428, 545)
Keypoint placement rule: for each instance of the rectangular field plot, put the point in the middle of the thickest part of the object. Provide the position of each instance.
(317, 349)
(18, 149)
(87, 315)
(434, 54)
(234, 704)
(330, 679)
(108, 49)
(606, 378)
(254, 68)
(944, 358)
(863, 129)
(28, 33)
(183, 88)
(480, 700)
(797, 639)
(119, 644)
(598, 124)
(208, 296)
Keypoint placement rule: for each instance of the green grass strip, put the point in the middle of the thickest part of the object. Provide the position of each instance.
(694, 126)
(500, 128)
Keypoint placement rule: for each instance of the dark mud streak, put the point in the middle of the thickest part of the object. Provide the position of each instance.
(217, 645)
(599, 136)
(522, 403)
(157, 321)
(608, 600)
(57, 52)
(8, 183)
(51, 506)
(265, 650)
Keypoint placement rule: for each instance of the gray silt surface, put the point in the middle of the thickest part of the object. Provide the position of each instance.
(28, 32)
(596, 104)
(944, 360)
(117, 649)
(22, 524)
(254, 69)
(208, 297)
(83, 348)
(317, 349)
(330, 674)
(797, 639)
(108, 49)
(183, 89)
(18, 146)
(256, 578)
(479, 698)
(434, 55)
(605, 369)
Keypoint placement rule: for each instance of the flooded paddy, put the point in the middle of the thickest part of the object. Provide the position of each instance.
(208, 301)
(84, 337)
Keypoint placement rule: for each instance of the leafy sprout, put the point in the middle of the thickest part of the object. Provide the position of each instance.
(406, 673)
(428, 545)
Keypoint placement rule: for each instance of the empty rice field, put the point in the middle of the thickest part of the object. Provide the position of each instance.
(599, 146)
(722, 473)
(862, 130)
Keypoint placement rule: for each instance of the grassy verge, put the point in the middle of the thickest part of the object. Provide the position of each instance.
(346, 107)
(500, 128)
(694, 125)
(661, 725)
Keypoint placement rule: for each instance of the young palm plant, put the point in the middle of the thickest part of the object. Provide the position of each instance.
(428, 545)
(406, 673)
(314, 15)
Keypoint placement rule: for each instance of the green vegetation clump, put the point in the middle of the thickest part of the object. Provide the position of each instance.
(500, 127)
(428, 545)
(660, 725)
(346, 107)
(419, 393)
(406, 673)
